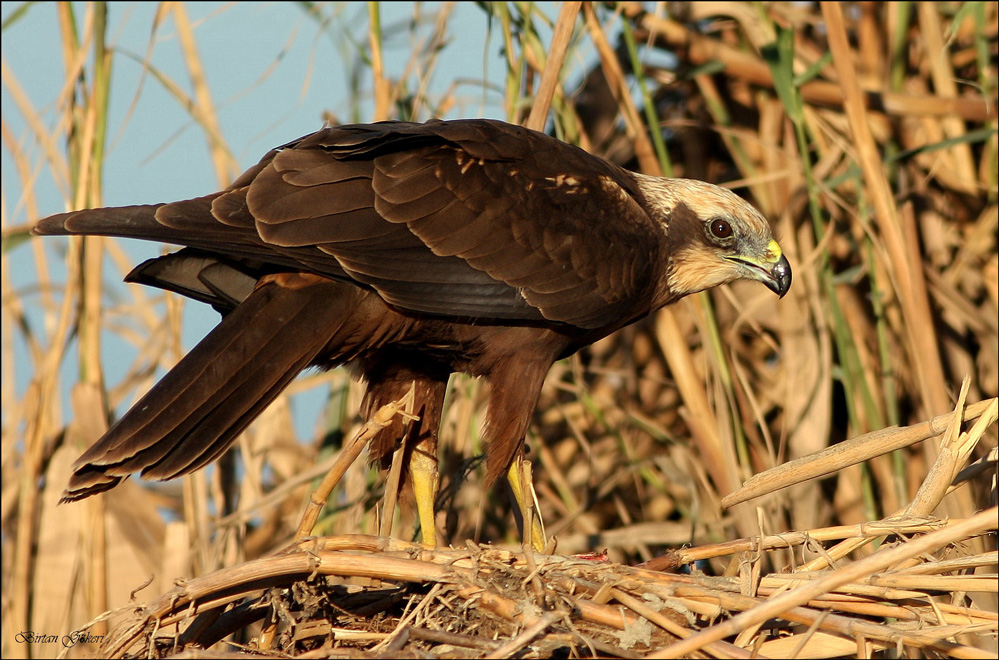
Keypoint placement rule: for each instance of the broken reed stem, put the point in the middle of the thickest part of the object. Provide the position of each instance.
(553, 65)
(850, 452)
(719, 649)
(617, 82)
(394, 479)
(379, 82)
(881, 560)
(785, 540)
(351, 450)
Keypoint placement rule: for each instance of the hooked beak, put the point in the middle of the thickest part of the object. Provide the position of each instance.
(773, 271)
(778, 279)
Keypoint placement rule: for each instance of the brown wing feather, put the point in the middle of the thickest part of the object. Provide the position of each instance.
(438, 222)
(195, 412)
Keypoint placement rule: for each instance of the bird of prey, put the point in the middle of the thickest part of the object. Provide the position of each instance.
(408, 252)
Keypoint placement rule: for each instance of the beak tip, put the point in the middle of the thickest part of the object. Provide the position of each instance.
(781, 274)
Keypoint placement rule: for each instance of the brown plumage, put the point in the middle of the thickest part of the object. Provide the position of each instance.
(408, 252)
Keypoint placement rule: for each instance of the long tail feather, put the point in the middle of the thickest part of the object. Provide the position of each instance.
(196, 411)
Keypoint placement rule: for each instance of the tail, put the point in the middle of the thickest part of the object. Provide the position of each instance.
(125, 221)
(216, 222)
(196, 411)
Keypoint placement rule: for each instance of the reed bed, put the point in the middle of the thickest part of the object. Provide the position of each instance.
(733, 476)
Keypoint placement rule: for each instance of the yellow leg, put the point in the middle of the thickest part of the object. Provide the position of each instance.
(426, 483)
(522, 488)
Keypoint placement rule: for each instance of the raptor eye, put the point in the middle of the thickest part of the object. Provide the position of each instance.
(721, 228)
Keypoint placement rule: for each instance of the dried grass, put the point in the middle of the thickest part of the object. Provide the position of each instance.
(864, 402)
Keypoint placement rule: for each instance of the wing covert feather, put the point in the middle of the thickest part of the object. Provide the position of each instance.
(466, 219)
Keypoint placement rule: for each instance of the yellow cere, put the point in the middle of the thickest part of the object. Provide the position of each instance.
(773, 251)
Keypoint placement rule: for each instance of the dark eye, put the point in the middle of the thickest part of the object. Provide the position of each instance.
(720, 228)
